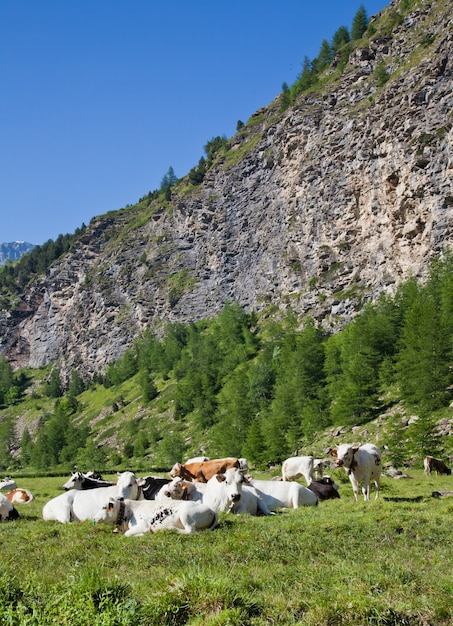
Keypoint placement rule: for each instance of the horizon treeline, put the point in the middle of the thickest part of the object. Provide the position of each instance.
(262, 389)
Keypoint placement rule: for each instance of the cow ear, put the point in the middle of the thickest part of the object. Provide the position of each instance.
(354, 449)
(333, 452)
(220, 477)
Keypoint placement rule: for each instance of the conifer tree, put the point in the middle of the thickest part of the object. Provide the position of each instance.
(359, 24)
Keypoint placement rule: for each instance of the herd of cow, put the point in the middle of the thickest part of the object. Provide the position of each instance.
(200, 488)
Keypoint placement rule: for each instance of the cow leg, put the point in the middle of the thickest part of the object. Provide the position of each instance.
(377, 485)
(366, 491)
(355, 487)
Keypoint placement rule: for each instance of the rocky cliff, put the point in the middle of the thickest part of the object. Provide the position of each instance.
(319, 208)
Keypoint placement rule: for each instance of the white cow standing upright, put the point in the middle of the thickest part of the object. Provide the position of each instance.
(297, 466)
(79, 505)
(362, 464)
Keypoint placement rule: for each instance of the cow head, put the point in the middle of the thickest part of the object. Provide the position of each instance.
(109, 512)
(344, 455)
(232, 481)
(176, 489)
(127, 486)
(75, 482)
(176, 470)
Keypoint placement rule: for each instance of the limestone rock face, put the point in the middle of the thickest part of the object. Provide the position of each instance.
(319, 208)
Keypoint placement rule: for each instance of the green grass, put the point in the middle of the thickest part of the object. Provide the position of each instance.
(384, 562)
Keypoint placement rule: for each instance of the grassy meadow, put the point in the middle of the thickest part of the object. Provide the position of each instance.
(383, 562)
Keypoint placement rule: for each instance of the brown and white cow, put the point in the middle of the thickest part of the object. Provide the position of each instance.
(362, 464)
(430, 463)
(19, 496)
(204, 470)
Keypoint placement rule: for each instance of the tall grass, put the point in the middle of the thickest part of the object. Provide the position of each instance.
(383, 562)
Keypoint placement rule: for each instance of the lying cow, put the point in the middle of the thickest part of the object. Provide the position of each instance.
(7, 510)
(225, 492)
(297, 466)
(324, 488)
(362, 464)
(179, 489)
(137, 517)
(149, 487)
(79, 480)
(281, 495)
(430, 463)
(7, 484)
(19, 496)
(78, 505)
(204, 470)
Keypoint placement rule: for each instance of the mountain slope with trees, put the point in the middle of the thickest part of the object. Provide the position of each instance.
(244, 280)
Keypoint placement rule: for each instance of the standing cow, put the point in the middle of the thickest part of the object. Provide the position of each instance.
(430, 463)
(362, 464)
(297, 466)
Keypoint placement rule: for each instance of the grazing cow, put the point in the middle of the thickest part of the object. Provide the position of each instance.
(324, 488)
(19, 496)
(430, 464)
(79, 480)
(297, 466)
(149, 487)
(319, 465)
(7, 484)
(362, 464)
(137, 517)
(7, 510)
(281, 495)
(204, 470)
(78, 505)
(224, 492)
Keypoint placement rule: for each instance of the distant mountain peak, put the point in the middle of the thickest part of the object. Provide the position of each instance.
(14, 250)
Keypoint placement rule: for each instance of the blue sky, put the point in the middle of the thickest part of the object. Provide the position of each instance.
(101, 97)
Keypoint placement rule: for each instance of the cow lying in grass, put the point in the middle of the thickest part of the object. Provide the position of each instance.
(234, 493)
(78, 505)
(281, 495)
(19, 496)
(137, 517)
(79, 480)
(7, 510)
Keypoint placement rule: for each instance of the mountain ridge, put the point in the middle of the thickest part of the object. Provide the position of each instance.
(13, 250)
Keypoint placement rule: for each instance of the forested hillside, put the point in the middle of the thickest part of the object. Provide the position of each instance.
(247, 385)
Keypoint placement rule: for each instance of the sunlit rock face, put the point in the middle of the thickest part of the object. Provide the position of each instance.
(319, 208)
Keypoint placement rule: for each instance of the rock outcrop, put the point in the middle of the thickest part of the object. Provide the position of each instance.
(318, 208)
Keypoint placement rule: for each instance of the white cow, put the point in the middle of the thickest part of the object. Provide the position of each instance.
(80, 505)
(282, 495)
(224, 492)
(362, 464)
(7, 484)
(137, 517)
(7, 510)
(297, 466)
